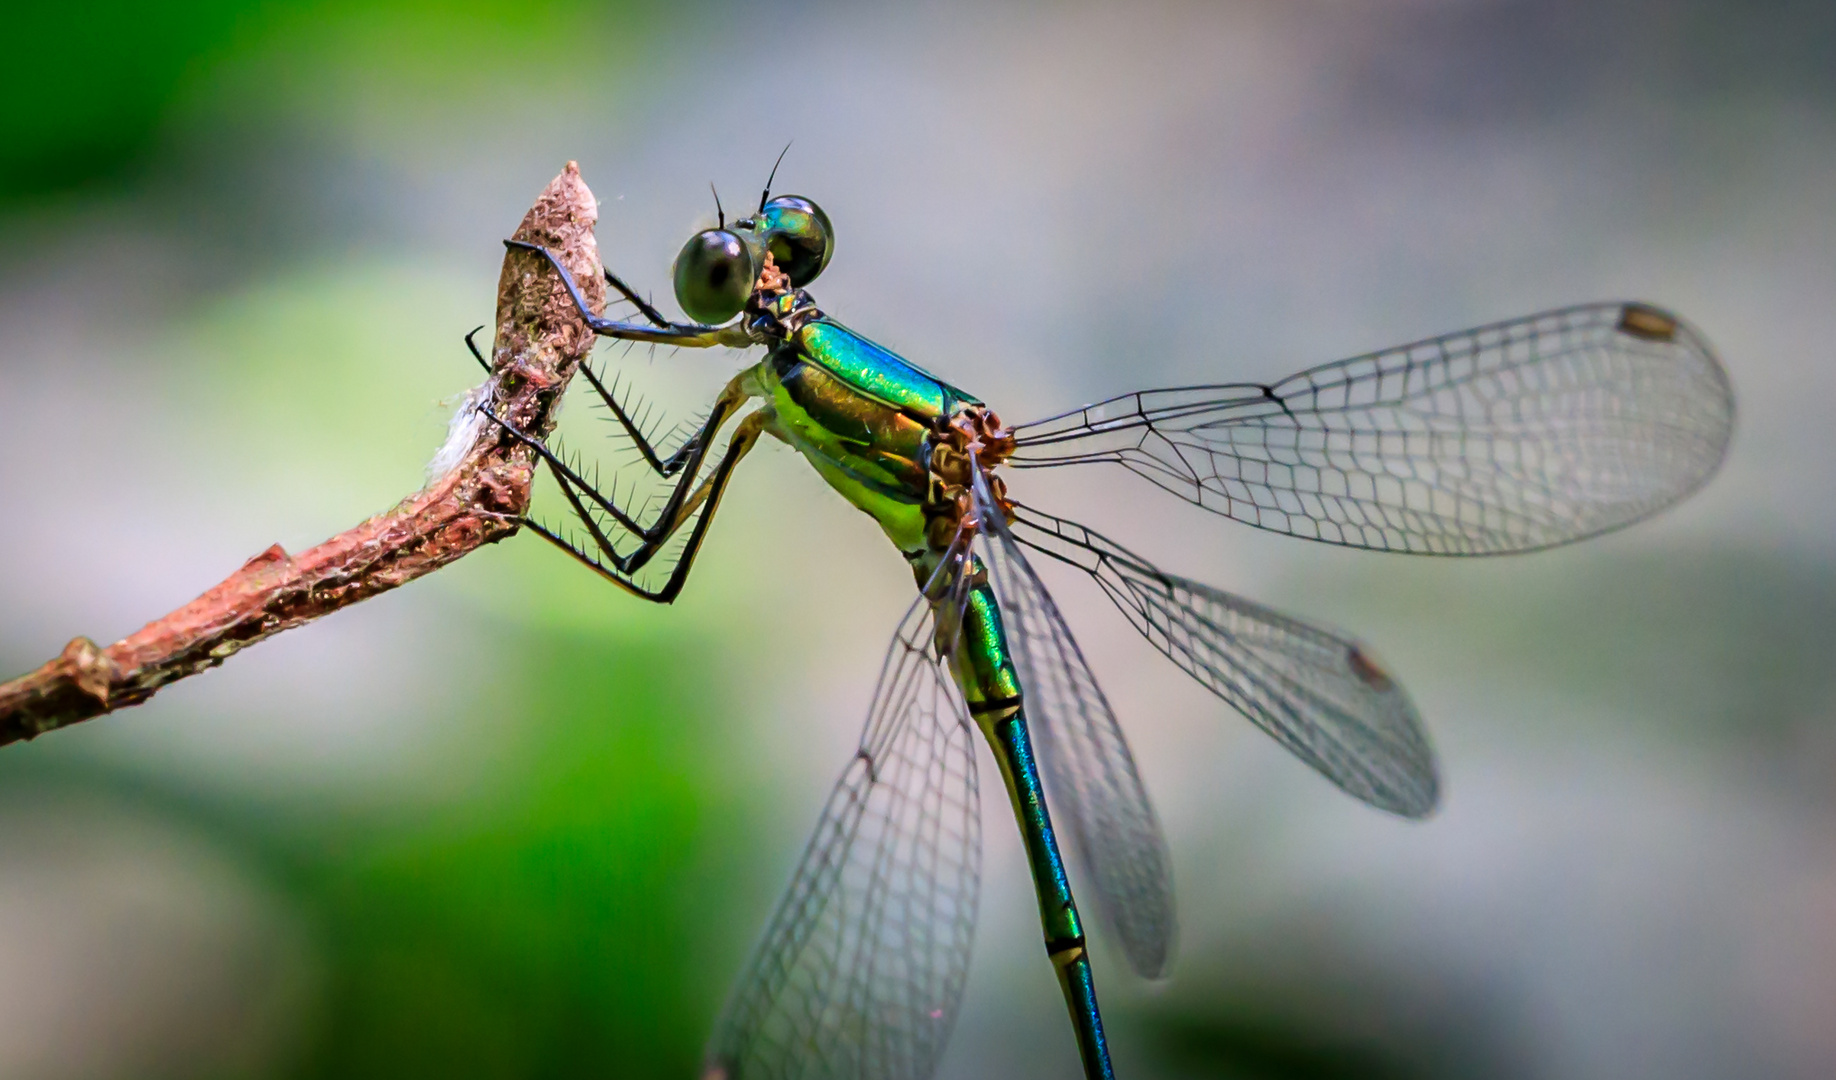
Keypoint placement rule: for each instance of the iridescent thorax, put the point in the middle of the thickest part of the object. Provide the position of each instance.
(894, 440)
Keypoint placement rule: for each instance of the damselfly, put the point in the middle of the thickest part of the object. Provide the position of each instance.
(1510, 437)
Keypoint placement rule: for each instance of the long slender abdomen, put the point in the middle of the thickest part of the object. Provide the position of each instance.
(984, 669)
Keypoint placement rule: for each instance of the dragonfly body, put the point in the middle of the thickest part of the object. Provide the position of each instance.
(1510, 437)
(869, 421)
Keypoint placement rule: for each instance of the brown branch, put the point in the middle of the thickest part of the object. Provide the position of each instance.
(540, 343)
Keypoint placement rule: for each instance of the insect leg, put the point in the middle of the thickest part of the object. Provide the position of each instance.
(656, 317)
(476, 355)
(692, 335)
(706, 498)
(662, 466)
(729, 401)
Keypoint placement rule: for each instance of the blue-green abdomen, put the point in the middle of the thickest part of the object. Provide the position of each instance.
(984, 669)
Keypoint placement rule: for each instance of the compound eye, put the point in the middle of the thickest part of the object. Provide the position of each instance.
(714, 276)
(798, 235)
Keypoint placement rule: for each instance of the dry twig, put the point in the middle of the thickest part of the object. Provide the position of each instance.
(539, 345)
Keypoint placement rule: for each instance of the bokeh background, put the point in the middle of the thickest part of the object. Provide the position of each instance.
(508, 823)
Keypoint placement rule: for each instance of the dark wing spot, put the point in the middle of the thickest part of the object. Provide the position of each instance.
(1649, 323)
(1367, 670)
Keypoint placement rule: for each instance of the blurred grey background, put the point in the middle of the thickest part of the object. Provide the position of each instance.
(508, 823)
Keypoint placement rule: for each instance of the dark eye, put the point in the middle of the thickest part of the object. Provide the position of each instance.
(714, 276)
(798, 235)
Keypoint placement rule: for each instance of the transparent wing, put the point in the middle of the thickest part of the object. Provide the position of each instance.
(861, 969)
(1509, 437)
(1090, 774)
(1318, 694)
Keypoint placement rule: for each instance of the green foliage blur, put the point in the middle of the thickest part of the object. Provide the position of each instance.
(92, 87)
(553, 927)
(87, 85)
(571, 917)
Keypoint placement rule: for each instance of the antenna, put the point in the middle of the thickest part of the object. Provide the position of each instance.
(717, 208)
(766, 194)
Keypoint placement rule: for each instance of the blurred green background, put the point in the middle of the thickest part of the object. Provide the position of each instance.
(507, 823)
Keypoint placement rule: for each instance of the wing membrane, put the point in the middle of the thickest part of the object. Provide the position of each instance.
(1509, 437)
(1319, 694)
(1090, 773)
(861, 969)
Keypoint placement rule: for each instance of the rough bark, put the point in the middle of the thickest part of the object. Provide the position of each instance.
(540, 343)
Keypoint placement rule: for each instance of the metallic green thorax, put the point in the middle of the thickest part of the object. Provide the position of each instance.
(863, 416)
(866, 418)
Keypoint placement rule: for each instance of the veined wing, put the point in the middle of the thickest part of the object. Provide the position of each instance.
(1509, 437)
(861, 970)
(1317, 693)
(1090, 773)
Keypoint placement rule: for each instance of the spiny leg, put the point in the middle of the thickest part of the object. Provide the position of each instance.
(706, 498)
(656, 317)
(661, 330)
(663, 466)
(743, 437)
(693, 335)
(730, 399)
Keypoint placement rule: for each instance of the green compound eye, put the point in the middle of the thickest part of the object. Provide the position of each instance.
(714, 276)
(798, 235)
